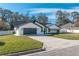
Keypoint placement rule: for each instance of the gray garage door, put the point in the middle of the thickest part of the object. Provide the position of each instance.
(30, 31)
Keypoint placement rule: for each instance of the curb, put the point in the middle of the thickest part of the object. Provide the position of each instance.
(26, 52)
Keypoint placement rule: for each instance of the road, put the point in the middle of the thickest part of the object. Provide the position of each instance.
(69, 51)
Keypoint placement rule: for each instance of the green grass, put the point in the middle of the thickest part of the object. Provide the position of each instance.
(17, 43)
(67, 36)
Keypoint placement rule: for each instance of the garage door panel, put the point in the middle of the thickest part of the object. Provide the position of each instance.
(30, 30)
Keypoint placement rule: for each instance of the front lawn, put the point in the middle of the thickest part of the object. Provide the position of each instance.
(11, 44)
(67, 36)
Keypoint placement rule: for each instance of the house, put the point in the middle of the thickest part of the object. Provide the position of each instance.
(29, 28)
(69, 28)
(51, 28)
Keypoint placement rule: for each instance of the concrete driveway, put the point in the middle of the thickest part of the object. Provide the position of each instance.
(52, 43)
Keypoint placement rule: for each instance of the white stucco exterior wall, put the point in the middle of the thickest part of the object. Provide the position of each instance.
(19, 32)
(75, 31)
(69, 30)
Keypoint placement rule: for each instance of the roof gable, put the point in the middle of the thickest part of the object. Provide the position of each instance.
(29, 25)
(53, 27)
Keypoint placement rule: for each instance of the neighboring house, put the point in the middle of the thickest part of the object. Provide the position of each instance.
(51, 28)
(35, 28)
(69, 28)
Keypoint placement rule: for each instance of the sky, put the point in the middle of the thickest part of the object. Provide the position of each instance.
(49, 9)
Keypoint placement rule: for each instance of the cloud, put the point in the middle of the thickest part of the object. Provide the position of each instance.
(71, 10)
(43, 10)
(50, 12)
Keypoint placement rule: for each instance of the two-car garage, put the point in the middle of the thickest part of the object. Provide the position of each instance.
(29, 31)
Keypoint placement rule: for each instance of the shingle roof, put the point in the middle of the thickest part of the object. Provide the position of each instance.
(40, 25)
(70, 26)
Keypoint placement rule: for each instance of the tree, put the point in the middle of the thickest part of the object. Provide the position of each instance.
(75, 16)
(8, 15)
(11, 27)
(62, 18)
(14, 17)
(6, 26)
(24, 18)
(2, 23)
(43, 19)
(2, 14)
(33, 19)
